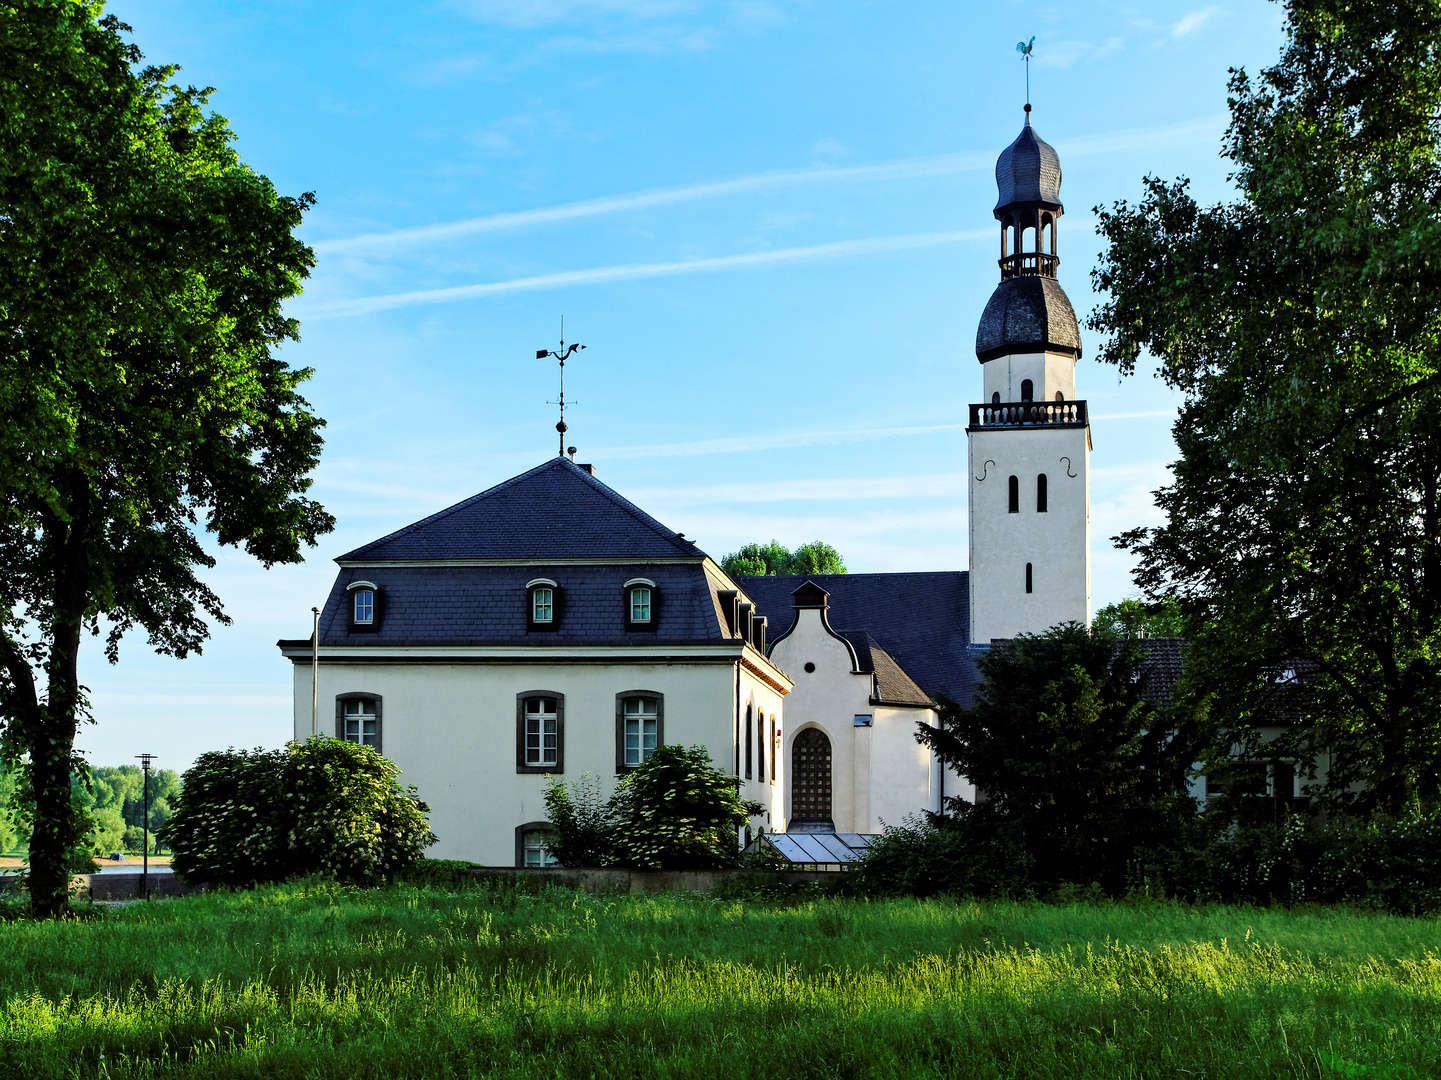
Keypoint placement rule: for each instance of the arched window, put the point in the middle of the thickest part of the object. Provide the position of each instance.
(1028, 577)
(532, 844)
(543, 604)
(761, 746)
(1060, 396)
(639, 727)
(773, 740)
(811, 777)
(1028, 390)
(750, 752)
(365, 607)
(1015, 492)
(642, 604)
(1041, 494)
(995, 397)
(357, 719)
(539, 732)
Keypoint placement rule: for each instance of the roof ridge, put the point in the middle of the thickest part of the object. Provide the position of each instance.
(605, 490)
(631, 508)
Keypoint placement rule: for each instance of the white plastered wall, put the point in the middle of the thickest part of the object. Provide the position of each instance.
(451, 729)
(1056, 543)
(1048, 372)
(764, 700)
(877, 772)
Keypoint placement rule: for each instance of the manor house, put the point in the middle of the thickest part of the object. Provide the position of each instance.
(550, 627)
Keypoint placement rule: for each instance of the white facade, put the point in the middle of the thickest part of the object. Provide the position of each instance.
(448, 719)
(1029, 553)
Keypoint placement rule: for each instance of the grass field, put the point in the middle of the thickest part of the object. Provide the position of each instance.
(312, 981)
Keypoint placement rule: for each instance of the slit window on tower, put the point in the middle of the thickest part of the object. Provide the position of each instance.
(1041, 494)
(1028, 577)
(1015, 486)
(1028, 390)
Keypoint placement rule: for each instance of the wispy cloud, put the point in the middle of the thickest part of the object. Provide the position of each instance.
(530, 13)
(1193, 21)
(607, 274)
(640, 200)
(840, 489)
(1185, 132)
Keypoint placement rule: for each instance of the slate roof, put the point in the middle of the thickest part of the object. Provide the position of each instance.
(892, 685)
(556, 510)
(1028, 314)
(486, 605)
(1028, 171)
(919, 620)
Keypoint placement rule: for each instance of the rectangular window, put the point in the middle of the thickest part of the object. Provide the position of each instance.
(640, 719)
(364, 606)
(361, 722)
(542, 732)
(640, 604)
(542, 604)
(536, 852)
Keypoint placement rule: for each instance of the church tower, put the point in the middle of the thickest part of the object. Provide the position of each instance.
(1029, 437)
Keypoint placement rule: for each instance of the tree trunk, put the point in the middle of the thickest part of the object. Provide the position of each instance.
(51, 740)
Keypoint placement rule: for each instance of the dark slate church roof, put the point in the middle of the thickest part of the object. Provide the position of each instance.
(556, 510)
(1028, 171)
(920, 622)
(1028, 314)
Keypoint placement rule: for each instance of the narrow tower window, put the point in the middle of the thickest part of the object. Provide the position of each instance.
(1028, 577)
(1015, 486)
(996, 397)
(1041, 494)
(1028, 390)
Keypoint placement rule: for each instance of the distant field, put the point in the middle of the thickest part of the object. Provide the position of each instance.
(320, 981)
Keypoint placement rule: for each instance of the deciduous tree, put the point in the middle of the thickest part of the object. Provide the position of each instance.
(1302, 321)
(143, 267)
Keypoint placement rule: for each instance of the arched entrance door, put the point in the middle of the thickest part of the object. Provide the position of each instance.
(811, 781)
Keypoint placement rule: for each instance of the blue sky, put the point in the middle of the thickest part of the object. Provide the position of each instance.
(768, 221)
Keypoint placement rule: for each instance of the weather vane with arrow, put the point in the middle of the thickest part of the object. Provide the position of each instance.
(562, 356)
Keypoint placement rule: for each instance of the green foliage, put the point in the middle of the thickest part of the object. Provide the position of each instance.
(558, 983)
(1302, 321)
(9, 808)
(143, 273)
(764, 560)
(449, 874)
(674, 812)
(582, 823)
(1076, 769)
(324, 807)
(677, 811)
(1134, 619)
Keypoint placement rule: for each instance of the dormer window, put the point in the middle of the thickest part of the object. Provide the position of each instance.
(543, 603)
(364, 601)
(642, 604)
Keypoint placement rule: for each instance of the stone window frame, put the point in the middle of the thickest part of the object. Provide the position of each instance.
(359, 695)
(641, 626)
(621, 766)
(520, 763)
(377, 607)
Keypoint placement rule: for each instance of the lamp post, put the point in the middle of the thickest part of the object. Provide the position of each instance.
(314, 668)
(145, 760)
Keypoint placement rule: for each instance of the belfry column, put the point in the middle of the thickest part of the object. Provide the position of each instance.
(1029, 438)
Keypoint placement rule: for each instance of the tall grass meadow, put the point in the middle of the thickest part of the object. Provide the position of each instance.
(315, 979)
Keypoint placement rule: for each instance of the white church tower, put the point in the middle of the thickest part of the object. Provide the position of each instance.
(1029, 437)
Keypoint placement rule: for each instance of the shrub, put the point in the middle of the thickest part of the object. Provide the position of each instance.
(439, 874)
(321, 807)
(678, 812)
(582, 824)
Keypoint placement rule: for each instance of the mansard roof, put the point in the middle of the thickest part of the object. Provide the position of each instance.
(441, 606)
(919, 620)
(557, 510)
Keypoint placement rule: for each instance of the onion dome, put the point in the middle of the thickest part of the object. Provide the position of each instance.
(1028, 173)
(1028, 314)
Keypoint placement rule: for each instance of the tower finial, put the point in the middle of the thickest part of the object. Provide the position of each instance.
(1025, 48)
(563, 355)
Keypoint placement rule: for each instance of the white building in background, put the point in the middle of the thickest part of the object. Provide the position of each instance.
(549, 627)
